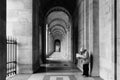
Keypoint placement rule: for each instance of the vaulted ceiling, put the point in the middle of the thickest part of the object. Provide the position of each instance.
(58, 24)
(70, 5)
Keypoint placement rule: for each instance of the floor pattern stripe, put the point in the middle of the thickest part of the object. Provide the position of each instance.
(59, 77)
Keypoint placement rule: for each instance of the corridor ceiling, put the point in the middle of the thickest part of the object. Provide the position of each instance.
(69, 5)
(58, 24)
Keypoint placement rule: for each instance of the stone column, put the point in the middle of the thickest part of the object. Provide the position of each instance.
(35, 35)
(80, 24)
(118, 39)
(95, 71)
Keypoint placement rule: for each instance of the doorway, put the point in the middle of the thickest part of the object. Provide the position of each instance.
(57, 45)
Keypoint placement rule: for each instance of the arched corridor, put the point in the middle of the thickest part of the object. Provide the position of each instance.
(58, 28)
(40, 39)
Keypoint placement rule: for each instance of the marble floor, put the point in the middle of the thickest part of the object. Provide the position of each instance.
(54, 70)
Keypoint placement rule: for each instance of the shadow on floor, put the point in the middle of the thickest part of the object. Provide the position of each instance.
(58, 66)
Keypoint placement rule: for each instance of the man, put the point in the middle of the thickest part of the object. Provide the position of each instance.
(85, 56)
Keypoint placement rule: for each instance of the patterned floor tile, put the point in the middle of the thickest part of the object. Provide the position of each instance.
(59, 77)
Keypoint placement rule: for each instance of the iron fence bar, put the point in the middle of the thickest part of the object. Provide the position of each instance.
(11, 56)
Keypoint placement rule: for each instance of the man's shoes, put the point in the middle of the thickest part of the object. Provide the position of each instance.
(85, 75)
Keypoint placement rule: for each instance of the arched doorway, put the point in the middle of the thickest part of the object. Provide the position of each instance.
(57, 45)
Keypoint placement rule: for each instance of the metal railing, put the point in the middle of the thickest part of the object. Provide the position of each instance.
(11, 56)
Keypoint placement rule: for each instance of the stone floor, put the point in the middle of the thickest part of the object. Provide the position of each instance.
(61, 56)
(55, 70)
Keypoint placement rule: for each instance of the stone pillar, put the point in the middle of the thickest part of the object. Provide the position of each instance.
(84, 24)
(35, 35)
(88, 27)
(95, 71)
(80, 24)
(118, 40)
(3, 48)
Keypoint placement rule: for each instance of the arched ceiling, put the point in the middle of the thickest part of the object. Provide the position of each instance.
(46, 5)
(58, 24)
(57, 21)
(58, 33)
(58, 15)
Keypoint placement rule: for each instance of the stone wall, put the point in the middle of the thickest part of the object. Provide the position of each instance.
(19, 25)
(50, 44)
(106, 38)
